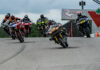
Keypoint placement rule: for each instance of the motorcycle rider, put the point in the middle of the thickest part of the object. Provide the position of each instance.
(26, 19)
(80, 16)
(5, 27)
(7, 17)
(14, 19)
(40, 20)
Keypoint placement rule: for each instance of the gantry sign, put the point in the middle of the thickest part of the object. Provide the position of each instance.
(71, 14)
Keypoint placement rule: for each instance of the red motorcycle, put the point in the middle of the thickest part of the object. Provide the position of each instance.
(15, 30)
(26, 28)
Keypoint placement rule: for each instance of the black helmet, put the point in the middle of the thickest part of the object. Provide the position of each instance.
(79, 14)
(7, 15)
(42, 16)
(26, 16)
(12, 17)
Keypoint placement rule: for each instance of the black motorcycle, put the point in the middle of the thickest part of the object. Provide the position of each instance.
(58, 35)
(42, 28)
(84, 27)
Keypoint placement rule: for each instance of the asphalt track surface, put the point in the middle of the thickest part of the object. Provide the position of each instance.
(42, 54)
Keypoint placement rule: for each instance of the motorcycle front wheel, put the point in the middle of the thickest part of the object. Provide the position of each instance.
(20, 38)
(63, 43)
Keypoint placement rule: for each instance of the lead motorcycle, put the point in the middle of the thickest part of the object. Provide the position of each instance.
(58, 34)
(16, 32)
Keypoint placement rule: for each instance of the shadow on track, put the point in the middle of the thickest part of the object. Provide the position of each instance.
(64, 48)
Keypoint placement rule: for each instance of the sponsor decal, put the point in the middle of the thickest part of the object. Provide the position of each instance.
(71, 13)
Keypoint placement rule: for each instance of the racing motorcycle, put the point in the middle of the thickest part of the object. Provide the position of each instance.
(15, 31)
(58, 34)
(26, 28)
(83, 26)
(42, 28)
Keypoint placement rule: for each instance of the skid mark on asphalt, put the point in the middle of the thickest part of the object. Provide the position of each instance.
(24, 42)
(17, 53)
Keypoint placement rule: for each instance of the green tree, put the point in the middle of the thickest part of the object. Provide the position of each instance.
(3, 33)
(35, 31)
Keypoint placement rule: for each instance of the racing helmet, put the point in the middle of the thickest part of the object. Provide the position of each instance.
(7, 15)
(42, 16)
(26, 16)
(79, 14)
(12, 17)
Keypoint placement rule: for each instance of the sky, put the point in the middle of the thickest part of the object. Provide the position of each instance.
(50, 8)
(38, 6)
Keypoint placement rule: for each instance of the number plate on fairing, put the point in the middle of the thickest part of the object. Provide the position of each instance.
(83, 21)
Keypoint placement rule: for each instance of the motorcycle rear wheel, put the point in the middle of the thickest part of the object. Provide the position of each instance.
(87, 30)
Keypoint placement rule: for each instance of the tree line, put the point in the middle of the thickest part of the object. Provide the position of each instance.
(35, 32)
